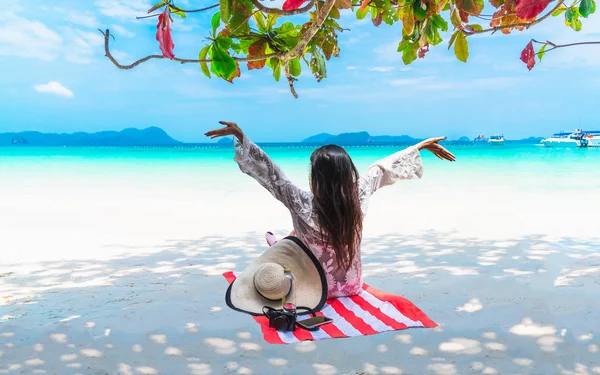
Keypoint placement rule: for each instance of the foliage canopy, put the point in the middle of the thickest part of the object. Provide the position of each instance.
(247, 31)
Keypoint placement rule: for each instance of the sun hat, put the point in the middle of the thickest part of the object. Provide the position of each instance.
(262, 282)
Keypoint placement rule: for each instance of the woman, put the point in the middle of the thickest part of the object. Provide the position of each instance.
(329, 218)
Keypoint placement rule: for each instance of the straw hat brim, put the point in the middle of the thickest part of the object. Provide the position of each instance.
(310, 282)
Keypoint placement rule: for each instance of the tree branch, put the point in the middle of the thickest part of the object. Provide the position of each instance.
(555, 46)
(519, 24)
(107, 36)
(290, 78)
(312, 30)
(194, 10)
(280, 12)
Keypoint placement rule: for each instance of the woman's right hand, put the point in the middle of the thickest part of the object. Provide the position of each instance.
(435, 148)
(231, 128)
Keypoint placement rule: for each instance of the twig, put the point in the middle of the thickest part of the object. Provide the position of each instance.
(281, 12)
(194, 10)
(519, 24)
(182, 61)
(555, 46)
(290, 78)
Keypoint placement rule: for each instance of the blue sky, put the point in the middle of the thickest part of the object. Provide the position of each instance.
(368, 87)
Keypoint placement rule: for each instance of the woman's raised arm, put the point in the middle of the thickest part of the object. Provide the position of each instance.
(256, 163)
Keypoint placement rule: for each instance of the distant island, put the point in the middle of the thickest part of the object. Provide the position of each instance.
(357, 138)
(364, 138)
(154, 136)
(151, 136)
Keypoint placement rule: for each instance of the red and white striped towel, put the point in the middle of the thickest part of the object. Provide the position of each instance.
(368, 313)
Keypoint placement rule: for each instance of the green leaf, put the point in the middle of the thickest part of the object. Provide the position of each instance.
(222, 64)
(225, 9)
(335, 13)
(455, 17)
(571, 14)
(453, 38)
(204, 66)
(439, 22)
(585, 8)
(408, 21)
(260, 21)
(409, 54)
(177, 12)
(271, 20)
(295, 67)
(430, 34)
(475, 27)
(577, 25)
(157, 6)
(403, 44)
(542, 51)
(362, 13)
(215, 22)
(240, 14)
(274, 63)
(559, 11)
(318, 65)
(461, 47)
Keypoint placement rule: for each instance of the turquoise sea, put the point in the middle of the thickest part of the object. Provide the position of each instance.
(512, 163)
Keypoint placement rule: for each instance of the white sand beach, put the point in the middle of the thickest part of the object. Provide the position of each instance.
(121, 274)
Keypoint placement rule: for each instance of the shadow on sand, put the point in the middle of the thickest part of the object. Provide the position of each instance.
(518, 306)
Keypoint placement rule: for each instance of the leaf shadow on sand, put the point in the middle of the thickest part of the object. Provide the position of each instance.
(516, 306)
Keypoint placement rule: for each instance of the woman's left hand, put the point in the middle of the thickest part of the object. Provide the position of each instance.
(435, 148)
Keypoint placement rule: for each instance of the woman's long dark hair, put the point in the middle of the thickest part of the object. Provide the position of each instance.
(333, 181)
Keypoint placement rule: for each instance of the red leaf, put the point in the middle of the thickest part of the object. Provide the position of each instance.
(163, 34)
(528, 56)
(422, 51)
(256, 49)
(377, 20)
(464, 16)
(529, 9)
(235, 74)
(292, 4)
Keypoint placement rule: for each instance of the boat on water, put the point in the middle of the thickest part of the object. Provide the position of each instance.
(480, 138)
(593, 138)
(577, 138)
(496, 139)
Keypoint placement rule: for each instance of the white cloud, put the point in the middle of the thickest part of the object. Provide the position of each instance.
(86, 19)
(119, 55)
(27, 38)
(351, 68)
(382, 69)
(80, 45)
(122, 31)
(127, 9)
(55, 88)
(438, 83)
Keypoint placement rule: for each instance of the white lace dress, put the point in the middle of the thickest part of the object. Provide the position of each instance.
(253, 161)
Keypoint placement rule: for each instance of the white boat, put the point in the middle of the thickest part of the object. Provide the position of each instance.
(593, 138)
(578, 138)
(496, 139)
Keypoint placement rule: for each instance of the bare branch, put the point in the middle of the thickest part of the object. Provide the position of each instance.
(281, 12)
(556, 46)
(290, 78)
(519, 24)
(181, 61)
(194, 10)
